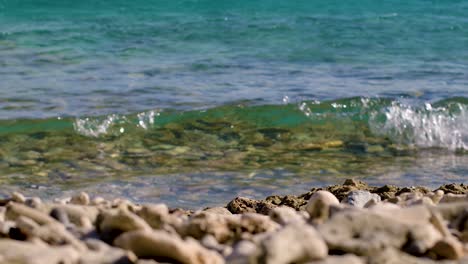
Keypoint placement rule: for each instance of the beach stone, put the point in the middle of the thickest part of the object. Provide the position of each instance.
(112, 223)
(161, 245)
(451, 211)
(319, 204)
(254, 224)
(285, 215)
(210, 242)
(203, 223)
(81, 199)
(18, 197)
(19, 252)
(244, 252)
(218, 210)
(156, 215)
(449, 248)
(76, 213)
(100, 252)
(15, 210)
(344, 259)
(60, 215)
(360, 198)
(450, 198)
(364, 232)
(437, 196)
(394, 256)
(52, 233)
(295, 243)
(34, 202)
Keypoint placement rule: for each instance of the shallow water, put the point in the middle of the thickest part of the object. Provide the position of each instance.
(138, 98)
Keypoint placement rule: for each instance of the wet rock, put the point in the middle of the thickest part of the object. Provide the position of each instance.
(360, 198)
(295, 243)
(161, 245)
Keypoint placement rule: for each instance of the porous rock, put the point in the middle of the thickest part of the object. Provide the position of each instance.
(284, 215)
(363, 232)
(219, 226)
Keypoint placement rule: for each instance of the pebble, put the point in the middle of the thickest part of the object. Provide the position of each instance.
(319, 204)
(418, 226)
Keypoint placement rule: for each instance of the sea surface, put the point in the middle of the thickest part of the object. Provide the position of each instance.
(195, 102)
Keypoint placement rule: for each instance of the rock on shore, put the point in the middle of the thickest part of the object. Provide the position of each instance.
(348, 223)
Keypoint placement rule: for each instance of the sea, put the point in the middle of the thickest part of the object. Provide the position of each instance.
(195, 102)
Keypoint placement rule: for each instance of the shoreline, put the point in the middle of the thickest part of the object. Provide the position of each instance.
(346, 223)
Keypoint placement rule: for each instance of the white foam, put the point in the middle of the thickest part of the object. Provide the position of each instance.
(424, 127)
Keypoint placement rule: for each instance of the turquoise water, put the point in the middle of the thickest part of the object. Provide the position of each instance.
(197, 96)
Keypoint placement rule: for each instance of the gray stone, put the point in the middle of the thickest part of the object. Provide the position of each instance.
(360, 198)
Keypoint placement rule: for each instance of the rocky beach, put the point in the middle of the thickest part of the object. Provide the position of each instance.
(347, 223)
